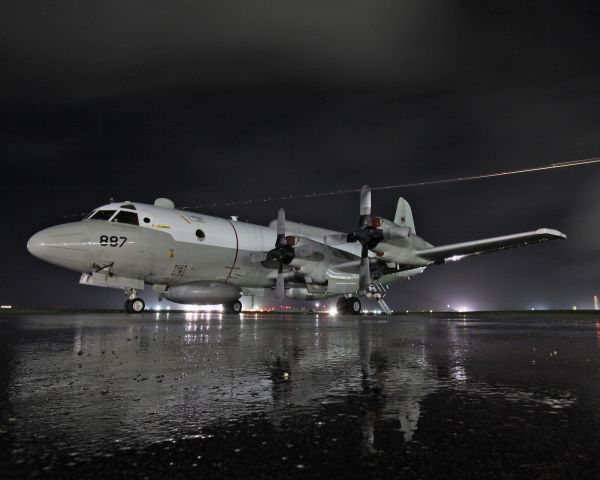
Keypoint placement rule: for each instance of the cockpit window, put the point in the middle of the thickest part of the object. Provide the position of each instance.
(103, 215)
(129, 206)
(126, 217)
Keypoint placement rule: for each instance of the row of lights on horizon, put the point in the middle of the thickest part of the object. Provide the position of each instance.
(331, 310)
(324, 308)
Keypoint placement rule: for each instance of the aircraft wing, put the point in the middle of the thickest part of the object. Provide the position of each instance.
(478, 247)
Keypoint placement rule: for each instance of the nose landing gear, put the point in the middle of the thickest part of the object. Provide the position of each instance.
(134, 304)
(137, 305)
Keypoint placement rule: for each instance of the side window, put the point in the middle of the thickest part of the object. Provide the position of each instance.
(102, 215)
(126, 217)
(200, 235)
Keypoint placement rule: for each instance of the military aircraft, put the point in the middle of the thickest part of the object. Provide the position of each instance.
(192, 258)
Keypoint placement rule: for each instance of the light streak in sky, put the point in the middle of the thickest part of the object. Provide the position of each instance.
(504, 173)
(470, 178)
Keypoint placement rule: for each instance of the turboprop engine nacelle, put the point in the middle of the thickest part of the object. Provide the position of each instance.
(391, 230)
(203, 293)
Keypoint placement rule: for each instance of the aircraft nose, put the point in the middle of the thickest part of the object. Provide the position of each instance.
(63, 245)
(37, 245)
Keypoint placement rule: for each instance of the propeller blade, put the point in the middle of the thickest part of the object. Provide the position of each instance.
(364, 273)
(365, 206)
(280, 285)
(281, 222)
(280, 242)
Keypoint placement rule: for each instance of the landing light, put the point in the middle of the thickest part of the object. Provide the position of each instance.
(332, 311)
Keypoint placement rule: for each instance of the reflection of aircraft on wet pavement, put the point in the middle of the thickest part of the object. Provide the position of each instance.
(389, 377)
(197, 259)
(149, 379)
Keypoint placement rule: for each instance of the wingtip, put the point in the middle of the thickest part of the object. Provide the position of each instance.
(551, 232)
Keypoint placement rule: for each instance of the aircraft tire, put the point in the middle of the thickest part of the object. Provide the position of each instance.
(234, 307)
(341, 305)
(137, 305)
(353, 305)
(127, 306)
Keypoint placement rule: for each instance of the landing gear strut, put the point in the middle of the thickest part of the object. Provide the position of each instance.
(350, 305)
(134, 304)
(233, 307)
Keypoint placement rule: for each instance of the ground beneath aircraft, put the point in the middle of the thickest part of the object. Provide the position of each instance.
(174, 395)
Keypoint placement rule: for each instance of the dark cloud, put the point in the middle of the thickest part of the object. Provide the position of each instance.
(210, 102)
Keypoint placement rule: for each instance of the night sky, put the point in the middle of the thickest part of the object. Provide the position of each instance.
(213, 101)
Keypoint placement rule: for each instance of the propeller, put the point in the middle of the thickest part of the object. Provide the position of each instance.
(283, 253)
(371, 231)
(367, 235)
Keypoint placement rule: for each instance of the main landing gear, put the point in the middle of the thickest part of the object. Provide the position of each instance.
(350, 305)
(233, 307)
(134, 304)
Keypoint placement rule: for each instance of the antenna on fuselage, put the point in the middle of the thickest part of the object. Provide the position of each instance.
(164, 203)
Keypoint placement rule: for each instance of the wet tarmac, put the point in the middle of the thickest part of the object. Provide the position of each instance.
(212, 396)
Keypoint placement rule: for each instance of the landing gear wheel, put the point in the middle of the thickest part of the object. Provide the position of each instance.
(234, 307)
(127, 306)
(353, 305)
(136, 305)
(350, 305)
(341, 305)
